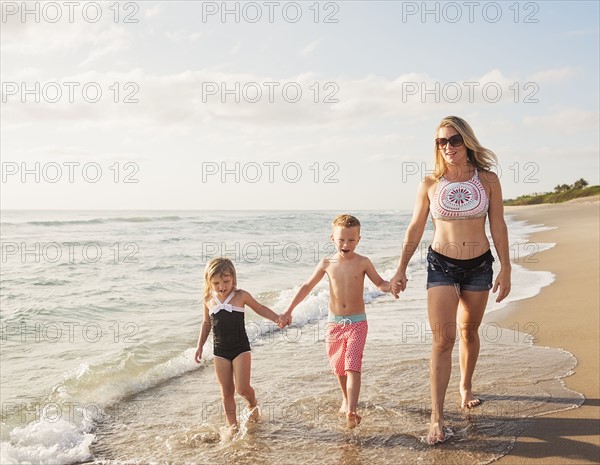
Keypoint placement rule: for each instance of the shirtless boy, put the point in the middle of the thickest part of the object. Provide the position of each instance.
(347, 321)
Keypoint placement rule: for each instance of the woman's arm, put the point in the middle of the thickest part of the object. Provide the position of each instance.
(413, 235)
(499, 233)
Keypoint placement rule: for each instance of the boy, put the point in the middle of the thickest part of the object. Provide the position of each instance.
(347, 327)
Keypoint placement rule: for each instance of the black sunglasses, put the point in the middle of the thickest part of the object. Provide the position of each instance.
(455, 141)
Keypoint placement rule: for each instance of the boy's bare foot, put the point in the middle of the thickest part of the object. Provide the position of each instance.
(353, 419)
(468, 400)
(343, 409)
(436, 434)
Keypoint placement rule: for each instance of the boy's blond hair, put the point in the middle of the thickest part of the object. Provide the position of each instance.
(345, 221)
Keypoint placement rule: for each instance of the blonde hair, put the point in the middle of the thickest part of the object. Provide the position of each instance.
(345, 221)
(482, 158)
(217, 267)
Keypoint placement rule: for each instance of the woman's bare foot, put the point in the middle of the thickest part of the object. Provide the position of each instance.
(353, 419)
(468, 400)
(436, 433)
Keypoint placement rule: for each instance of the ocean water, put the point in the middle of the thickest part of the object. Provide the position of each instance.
(100, 313)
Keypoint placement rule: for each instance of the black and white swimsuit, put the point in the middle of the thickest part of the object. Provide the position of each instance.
(228, 327)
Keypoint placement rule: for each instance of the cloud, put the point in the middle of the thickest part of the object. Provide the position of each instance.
(111, 41)
(236, 48)
(39, 39)
(183, 36)
(566, 120)
(382, 158)
(307, 100)
(152, 12)
(581, 32)
(310, 48)
(554, 75)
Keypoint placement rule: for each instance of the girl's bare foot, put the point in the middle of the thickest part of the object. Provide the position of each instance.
(229, 432)
(253, 413)
(353, 419)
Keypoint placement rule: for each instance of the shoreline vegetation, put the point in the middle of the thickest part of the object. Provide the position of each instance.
(562, 193)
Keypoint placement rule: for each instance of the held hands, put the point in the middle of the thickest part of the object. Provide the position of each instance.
(284, 320)
(386, 286)
(398, 283)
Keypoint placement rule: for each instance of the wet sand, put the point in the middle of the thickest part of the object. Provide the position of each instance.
(567, 316)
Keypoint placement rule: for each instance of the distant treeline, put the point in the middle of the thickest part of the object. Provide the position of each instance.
(562, 193)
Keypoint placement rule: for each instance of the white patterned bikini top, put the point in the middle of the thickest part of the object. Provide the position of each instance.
(224, 305)
(459, 200)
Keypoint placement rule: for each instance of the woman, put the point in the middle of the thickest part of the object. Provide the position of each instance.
(459, 195)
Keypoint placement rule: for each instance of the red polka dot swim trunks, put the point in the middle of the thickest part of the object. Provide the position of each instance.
(345, 343)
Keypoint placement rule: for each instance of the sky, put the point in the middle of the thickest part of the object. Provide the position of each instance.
(287, 105)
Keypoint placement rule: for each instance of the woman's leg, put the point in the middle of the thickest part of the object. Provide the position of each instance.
(442, 303)
(470, 313)
(224, 372)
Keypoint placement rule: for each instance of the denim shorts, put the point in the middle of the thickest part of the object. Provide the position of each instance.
(443, 271)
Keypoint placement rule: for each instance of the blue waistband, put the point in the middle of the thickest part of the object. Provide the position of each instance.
(347, 318)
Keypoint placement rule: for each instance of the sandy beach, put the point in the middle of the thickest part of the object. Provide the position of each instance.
(141, 398)
(567, 315)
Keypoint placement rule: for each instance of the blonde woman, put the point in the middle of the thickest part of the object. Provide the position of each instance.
(460, 195)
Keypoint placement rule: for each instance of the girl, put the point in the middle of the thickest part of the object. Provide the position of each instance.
(224, 314)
